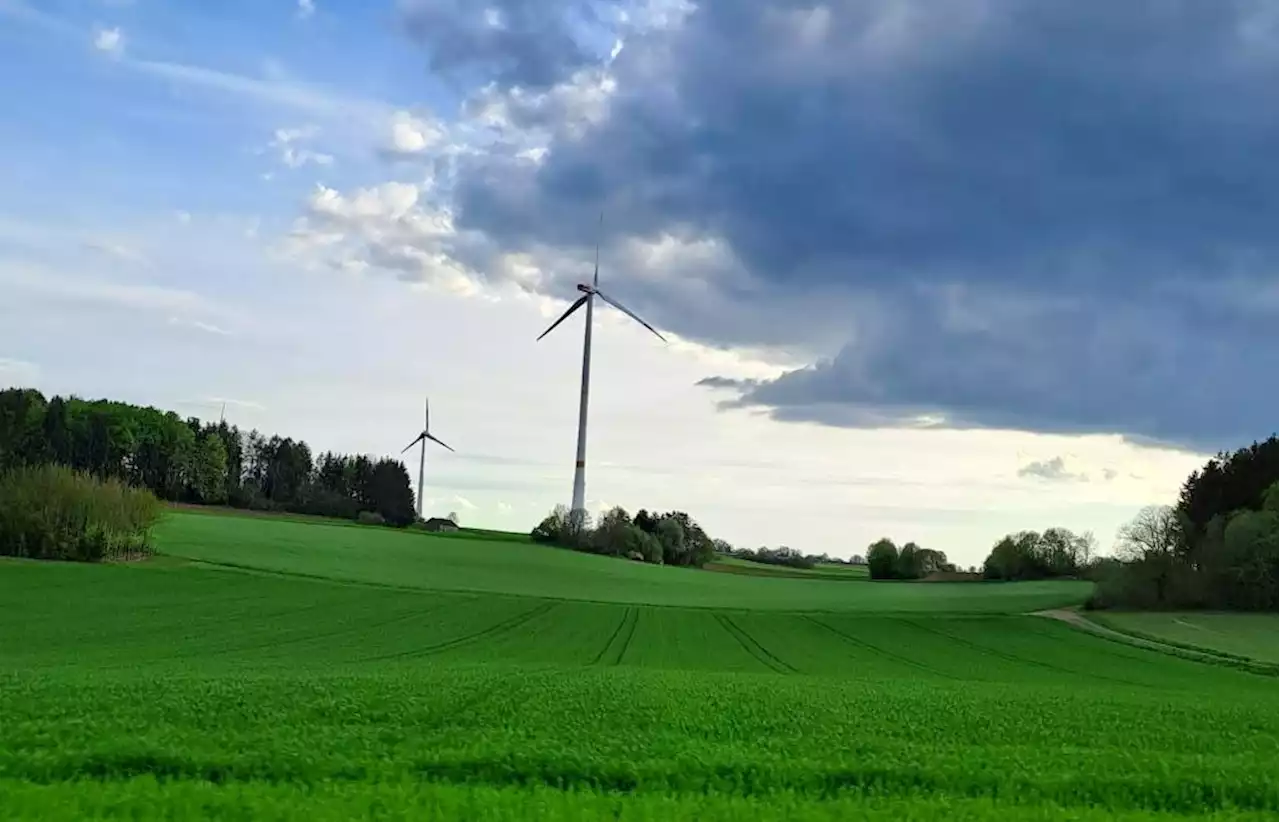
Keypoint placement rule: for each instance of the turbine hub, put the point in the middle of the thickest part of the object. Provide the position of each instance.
(585, 289)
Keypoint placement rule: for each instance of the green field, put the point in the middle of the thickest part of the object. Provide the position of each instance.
(415, 560)
(406, 676)
(1251, 636)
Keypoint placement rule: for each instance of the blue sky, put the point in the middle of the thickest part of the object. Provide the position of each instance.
(937, 271)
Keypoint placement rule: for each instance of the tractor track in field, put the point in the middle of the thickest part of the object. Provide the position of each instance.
(1017, 658)
(853, 640)
(753, 647)
(626, 626)
(502, 627)
(325, 635)
(202, 652)
(630, 634)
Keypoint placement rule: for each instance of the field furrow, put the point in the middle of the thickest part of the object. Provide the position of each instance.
(613, 637)
(486, 632)
(753, 647)
(876, 651)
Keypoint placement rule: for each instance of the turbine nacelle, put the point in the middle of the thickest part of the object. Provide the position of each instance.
(589, 291)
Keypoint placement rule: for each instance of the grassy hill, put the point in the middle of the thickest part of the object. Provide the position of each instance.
(402, 675)
(410, 559)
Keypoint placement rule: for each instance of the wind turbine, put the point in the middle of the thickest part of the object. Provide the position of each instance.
(422, 454)
(589, 293)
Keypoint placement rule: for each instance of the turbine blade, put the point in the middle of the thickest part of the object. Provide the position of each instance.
(629, 313)
(416, 440)
(438, 442)
(578, 304)
(426, 414)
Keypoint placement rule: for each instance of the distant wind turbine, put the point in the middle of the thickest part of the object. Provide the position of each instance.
(589, 293)
(422, 453)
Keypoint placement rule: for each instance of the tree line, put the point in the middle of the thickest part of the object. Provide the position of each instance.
(1027, 555)
(186, 460)
(885, 560)
(1217, 547)
(781, 556)
(673, 538)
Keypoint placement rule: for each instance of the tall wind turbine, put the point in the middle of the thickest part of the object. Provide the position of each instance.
(589, 293)
(422, 453)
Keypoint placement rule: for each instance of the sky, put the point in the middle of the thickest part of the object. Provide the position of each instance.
(936, 272)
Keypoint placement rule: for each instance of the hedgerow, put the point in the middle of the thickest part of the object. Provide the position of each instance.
(53, 512)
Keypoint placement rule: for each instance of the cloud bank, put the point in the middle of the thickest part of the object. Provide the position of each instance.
(1043, 216)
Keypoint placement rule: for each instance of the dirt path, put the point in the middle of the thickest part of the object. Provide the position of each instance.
(1078, 620)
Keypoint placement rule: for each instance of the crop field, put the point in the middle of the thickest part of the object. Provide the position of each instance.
(414, 560)
(279, 670)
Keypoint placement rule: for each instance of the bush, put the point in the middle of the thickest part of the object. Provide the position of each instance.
(52, 512)
(370, 518)
(325, 503)
(882, 559)
(552, 528)
(671, 539)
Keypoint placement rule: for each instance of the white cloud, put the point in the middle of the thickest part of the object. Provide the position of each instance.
(413, 136)
(522, 119)
(200, 325)
(373, 209)
(306, 8)
(287, 143)
(387, 227)
(274, 93)
(109, 40)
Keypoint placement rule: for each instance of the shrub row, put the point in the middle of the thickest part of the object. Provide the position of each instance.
(53, 512)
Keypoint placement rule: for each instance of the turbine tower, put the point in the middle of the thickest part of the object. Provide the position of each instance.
(589, 293)
(422, 453)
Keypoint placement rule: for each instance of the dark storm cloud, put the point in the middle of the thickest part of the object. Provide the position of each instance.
(529, 43)
(1067, 208)
(1180, 374)
(1054, 470)
(728, 382)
